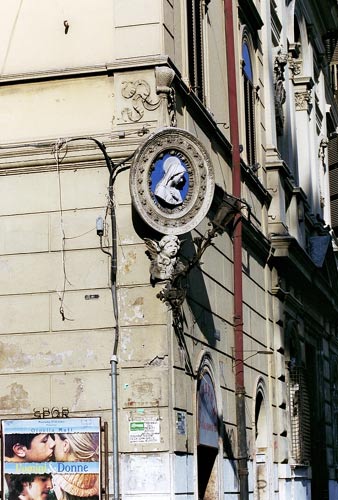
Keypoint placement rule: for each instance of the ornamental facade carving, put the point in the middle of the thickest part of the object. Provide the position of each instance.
(172, 181)
(303, 100)
(280, 93)
(142, 98)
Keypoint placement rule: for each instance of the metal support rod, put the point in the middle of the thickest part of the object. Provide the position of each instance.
(113, 365)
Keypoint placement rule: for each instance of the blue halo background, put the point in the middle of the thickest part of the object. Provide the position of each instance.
(158, 173)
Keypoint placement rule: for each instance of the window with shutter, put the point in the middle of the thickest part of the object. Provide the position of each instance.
(333, 175)
(249, 103)
(195, 13)
(299, 415)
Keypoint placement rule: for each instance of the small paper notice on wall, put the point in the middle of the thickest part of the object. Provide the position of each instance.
(146, 430)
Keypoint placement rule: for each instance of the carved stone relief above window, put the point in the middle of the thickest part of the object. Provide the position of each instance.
(303, 100)
(303, 93)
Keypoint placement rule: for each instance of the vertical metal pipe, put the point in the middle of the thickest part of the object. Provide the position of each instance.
(237, 249)
(113, 365)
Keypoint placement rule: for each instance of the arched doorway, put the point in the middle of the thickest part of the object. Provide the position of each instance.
(262, 448)
(207, 439)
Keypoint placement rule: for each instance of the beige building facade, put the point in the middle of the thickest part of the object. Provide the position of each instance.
(227, 388)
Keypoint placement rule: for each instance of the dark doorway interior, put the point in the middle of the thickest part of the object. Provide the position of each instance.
(207, 473)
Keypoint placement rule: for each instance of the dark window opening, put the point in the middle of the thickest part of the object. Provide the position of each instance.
(249, 102)
(333, 176)
(195, 47)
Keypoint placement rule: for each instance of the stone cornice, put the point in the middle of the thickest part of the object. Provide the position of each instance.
(291, 260)
(39, 156)
(85, 71)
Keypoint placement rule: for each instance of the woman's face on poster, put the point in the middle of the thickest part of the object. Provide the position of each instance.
(61, 449)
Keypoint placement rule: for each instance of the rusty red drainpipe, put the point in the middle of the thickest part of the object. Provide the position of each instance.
(237, 250)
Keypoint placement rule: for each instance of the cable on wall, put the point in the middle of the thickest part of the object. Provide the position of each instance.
(113, 169)
(56, 151)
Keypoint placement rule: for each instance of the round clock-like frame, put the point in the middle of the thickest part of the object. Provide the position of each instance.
(148, 170)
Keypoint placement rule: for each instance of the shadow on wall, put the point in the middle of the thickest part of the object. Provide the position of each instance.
(197, 295)
(229, 445)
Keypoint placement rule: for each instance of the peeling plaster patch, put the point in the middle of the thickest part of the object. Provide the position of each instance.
(138, 302)
(55, 359)
(79, 390)
(126, 346)
(145, 392)
(17, 399)
(128, 262)
(134, 478)
(135, 308)
(159, 361)
(12, 358)
(131, 311)
(127, 241)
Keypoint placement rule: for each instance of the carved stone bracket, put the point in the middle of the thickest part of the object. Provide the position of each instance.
(164, 79)
(294, 62)
(303, 93)
(295, 67)
(303, 100)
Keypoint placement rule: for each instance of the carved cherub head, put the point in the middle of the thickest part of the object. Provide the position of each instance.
(163, 256)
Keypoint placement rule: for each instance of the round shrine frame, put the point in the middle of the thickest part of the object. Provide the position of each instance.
(196, 190)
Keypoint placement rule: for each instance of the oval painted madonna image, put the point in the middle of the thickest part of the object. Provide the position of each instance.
(172, 181)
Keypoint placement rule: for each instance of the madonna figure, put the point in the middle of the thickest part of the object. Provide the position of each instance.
(168, 188)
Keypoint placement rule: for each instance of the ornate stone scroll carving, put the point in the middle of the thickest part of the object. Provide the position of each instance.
(138, 92)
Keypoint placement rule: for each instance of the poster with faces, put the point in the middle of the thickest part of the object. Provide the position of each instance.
(51, 459)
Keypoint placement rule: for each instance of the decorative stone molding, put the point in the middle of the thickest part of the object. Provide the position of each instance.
(303, 93)
(303, 100)
(138, 92)
(164, 79)
(172, 181)
(294, 62)
(295, 67)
